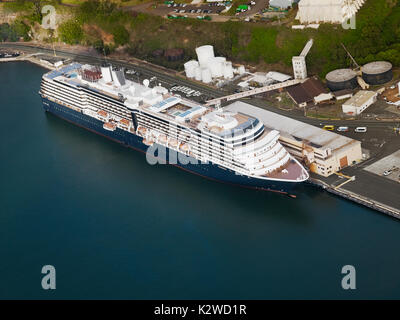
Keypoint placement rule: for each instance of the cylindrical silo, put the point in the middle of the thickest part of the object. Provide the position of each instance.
(190, 67)
(377, 72)
(220, 66)
(216, 66)
(204, 53)
(206, 75)
(341, 79)
(228, 70)
(197, 73)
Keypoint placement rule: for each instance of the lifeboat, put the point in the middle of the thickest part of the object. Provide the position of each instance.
(102, 113)
(142, 131)
(173, 143)
(124, 122)
(109, 126)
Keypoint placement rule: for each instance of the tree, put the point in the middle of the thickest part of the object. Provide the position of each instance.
(71, 32)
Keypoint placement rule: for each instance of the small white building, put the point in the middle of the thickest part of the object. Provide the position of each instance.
(359, 102)
(283, 4)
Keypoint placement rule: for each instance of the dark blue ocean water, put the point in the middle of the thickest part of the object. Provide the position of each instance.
(115, 227)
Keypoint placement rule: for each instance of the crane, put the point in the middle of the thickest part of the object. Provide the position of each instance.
(360, 80)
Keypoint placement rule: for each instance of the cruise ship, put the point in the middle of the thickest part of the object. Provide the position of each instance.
(230, 147)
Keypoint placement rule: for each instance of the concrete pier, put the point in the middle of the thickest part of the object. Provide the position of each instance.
(358, 198)
(31, 58)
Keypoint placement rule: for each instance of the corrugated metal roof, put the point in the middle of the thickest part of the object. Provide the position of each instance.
(296, 129)
(360, 98)
(306, 91)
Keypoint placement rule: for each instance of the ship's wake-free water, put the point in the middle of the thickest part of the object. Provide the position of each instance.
(114, 226)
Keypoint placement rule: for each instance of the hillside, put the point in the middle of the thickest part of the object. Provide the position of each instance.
(103, 25)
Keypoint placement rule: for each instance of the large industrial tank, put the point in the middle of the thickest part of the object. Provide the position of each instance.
(228, 70)
(215, 66)
(377, 72)
(190, 68)
(206, 75)
(197, 73)
(204, 53)
(341, 79)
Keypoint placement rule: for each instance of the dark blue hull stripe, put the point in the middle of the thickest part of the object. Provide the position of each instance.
(209, 170)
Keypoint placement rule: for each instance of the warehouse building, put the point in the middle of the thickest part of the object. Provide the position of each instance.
(323, 152)
(305, 93)
(343, 94)
(359, 102)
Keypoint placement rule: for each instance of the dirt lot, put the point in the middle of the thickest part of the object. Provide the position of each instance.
(392, 95)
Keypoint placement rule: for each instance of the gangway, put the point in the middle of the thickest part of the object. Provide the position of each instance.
(254, 92)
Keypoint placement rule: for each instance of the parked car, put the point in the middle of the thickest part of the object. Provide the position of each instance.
(387, 172)
(328, 127)
(360, 129)
(343, 129)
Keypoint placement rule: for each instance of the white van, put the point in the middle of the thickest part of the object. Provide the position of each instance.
(361, 129)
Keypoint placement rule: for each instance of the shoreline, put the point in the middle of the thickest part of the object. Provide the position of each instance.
(30, 59)
(357, 198)
(343, 193)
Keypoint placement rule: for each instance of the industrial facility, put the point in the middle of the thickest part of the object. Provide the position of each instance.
(359, 102)
(324, 152)
(208, 68)
(262, 79)
(328, 11)
(306, 92)
(378, 72)
(341, 79)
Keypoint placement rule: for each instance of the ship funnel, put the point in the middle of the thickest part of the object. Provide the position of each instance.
(106, 73)
(118, 76)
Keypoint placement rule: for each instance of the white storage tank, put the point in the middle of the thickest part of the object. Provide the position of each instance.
(214, 65)
(228, 70)
(219, 66)
(190, 68)
(206, 75)
(241, 70)
(197, 74)
(204, 53)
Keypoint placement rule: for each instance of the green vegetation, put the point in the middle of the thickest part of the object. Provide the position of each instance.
(103, 25)
(71, 32)
(14, 32)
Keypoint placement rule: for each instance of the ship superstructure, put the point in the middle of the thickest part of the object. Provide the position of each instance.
(228, 146)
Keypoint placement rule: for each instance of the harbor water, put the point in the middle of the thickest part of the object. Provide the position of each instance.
(114, 226)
